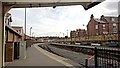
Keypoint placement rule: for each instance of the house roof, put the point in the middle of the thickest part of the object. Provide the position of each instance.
(108, 18)
(100, 21)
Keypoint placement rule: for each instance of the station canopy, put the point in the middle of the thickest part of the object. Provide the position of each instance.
(49, 3)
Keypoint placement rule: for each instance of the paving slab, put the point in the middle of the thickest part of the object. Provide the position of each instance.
(37, 57)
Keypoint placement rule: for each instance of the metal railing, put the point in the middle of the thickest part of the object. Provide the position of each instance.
(107, 57)
(104, 57)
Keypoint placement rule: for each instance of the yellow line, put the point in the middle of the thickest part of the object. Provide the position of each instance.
(58, 60)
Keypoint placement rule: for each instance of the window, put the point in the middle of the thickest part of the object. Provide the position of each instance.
(104, 26)
(114, 25)
(114, 31)
(96, 26)
(113, 19)
(96, 33)
(105, 32)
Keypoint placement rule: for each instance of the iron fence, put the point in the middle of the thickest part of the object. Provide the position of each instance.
(107, 57)
(104, 57)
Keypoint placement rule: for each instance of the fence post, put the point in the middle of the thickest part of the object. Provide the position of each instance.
(86, 63)
(96, 64)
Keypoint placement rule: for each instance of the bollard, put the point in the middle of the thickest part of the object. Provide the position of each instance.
(86, 63)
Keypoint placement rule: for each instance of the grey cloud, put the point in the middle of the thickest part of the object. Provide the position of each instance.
(113, 13)
(107, 8)
(119, 7)
(46, 12)
(111, 5)
(112, 0)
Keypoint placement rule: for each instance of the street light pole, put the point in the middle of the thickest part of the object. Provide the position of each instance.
(25, 26)
(30, 32)
(24, 48)
(67, 32)
(63, 35)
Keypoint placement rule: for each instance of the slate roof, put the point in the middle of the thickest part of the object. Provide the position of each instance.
(100, 21)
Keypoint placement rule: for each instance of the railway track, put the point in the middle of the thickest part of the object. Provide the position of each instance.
(67, 53)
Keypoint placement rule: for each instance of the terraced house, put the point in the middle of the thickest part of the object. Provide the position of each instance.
(102, 26)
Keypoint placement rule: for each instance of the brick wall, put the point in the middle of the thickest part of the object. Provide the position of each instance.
(9, 51)
(91, 27)
(10, 36)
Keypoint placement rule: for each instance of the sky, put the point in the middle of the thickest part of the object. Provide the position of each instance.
(46, 21)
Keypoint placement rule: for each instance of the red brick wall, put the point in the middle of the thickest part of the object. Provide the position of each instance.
(9, 51)
(91, 27)
(111, 30)
(101, 30)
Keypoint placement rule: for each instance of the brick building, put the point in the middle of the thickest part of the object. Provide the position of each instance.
(102, 26)
(78, 33)
(12, 41)
(72, 34)
(19, 30)
(113, 24)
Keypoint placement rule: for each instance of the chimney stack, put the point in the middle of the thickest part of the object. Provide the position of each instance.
(92, 16)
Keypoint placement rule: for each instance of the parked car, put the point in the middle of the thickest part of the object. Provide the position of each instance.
(95, 44)
(112, 44)
(85, 43)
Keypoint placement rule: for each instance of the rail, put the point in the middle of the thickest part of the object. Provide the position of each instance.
(104, 57)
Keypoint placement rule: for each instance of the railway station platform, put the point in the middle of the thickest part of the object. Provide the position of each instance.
(36, 57)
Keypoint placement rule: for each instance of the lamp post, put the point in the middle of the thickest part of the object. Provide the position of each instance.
(67, 32)
(25, 25)
(63, 38)
(24, 48)
(63, 35)
(30, 32)
(71, 35)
